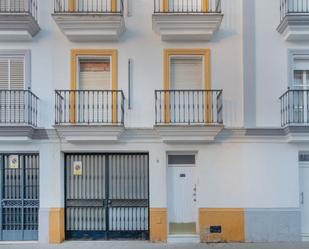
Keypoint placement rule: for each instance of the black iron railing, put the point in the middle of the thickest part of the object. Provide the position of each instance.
(89, 107)
(295, 107)
(89, 6)
(188, 107)
(293, 7)
(187, 6)
(19, 6)
(18, 107)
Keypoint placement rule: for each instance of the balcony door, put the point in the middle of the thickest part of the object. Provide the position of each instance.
(12, 81)
(94, 100)
(186, 82)
(301, 97)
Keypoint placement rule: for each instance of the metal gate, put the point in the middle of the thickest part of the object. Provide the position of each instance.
(19, 191)
(107, 196)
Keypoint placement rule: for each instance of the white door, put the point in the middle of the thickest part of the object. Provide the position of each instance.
(182, 197)
(304, 199)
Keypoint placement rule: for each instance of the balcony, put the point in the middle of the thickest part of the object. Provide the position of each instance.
(295, 114)
(90, 20)
(84, 115)
(294, 20)
(18, 20)
(18, 114)
(188, 115)
(190, 20)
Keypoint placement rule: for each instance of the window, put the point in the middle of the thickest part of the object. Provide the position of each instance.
(181, 159)
(12, 73)
(299, 84)
(13, 78)
(95, 74)
(186, 72)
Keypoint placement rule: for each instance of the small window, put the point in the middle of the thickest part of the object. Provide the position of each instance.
(181, 159)
(304, 157)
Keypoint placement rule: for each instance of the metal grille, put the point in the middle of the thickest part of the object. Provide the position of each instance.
(295, 107)
(89, 6)
(19, 197)
(109, 198)
(293, 7)
(187, 6)
(189, 107)
(19, 6)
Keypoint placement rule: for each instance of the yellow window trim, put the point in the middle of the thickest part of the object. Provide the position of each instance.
(72, 5)
(75, 53)
(205, 5)
(166, 77)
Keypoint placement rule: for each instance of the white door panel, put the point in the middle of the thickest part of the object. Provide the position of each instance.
(304, 199)
(182, 195)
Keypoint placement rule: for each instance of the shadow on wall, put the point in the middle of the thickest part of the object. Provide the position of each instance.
(230, 113)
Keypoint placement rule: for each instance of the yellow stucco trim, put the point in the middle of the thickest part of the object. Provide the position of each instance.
(75, 53)
(231, 221)
(158, 225)
(205, 6)
(72, 5)
(56, 225)
(114, 5)
(165, 5)
(166, 77)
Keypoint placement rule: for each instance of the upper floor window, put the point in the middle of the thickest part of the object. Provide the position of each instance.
(12, 72)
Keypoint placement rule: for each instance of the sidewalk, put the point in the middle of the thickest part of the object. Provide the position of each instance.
(146, 245)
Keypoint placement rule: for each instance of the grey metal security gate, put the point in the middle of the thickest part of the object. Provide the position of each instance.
(107, 196)
(19, 191)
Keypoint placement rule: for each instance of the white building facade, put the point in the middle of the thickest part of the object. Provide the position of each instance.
(154, 119)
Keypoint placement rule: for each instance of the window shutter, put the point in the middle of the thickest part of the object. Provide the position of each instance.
(4, 73)
(301, 64)
(186, 73)
(17, 75)
(95, 75)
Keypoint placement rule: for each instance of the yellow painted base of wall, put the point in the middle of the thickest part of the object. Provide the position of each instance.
(158, 225)
(230, 220)
(56, 225)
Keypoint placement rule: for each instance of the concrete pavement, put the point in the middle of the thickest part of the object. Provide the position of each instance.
(146, 245)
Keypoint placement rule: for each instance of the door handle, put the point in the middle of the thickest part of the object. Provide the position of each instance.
(302, 198)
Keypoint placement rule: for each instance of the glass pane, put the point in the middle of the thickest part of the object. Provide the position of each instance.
(181, 159)
(298, 78)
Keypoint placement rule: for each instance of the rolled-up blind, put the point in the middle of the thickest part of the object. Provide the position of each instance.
(186, 73)
(12, 73)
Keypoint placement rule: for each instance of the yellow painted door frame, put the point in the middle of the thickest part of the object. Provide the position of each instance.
(75, 53)
(166, 79)
(165, 5)
(114, 5)
(205, 5)
(72, 5)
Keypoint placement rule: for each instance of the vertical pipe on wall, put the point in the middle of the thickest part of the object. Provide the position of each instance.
(130, 64)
